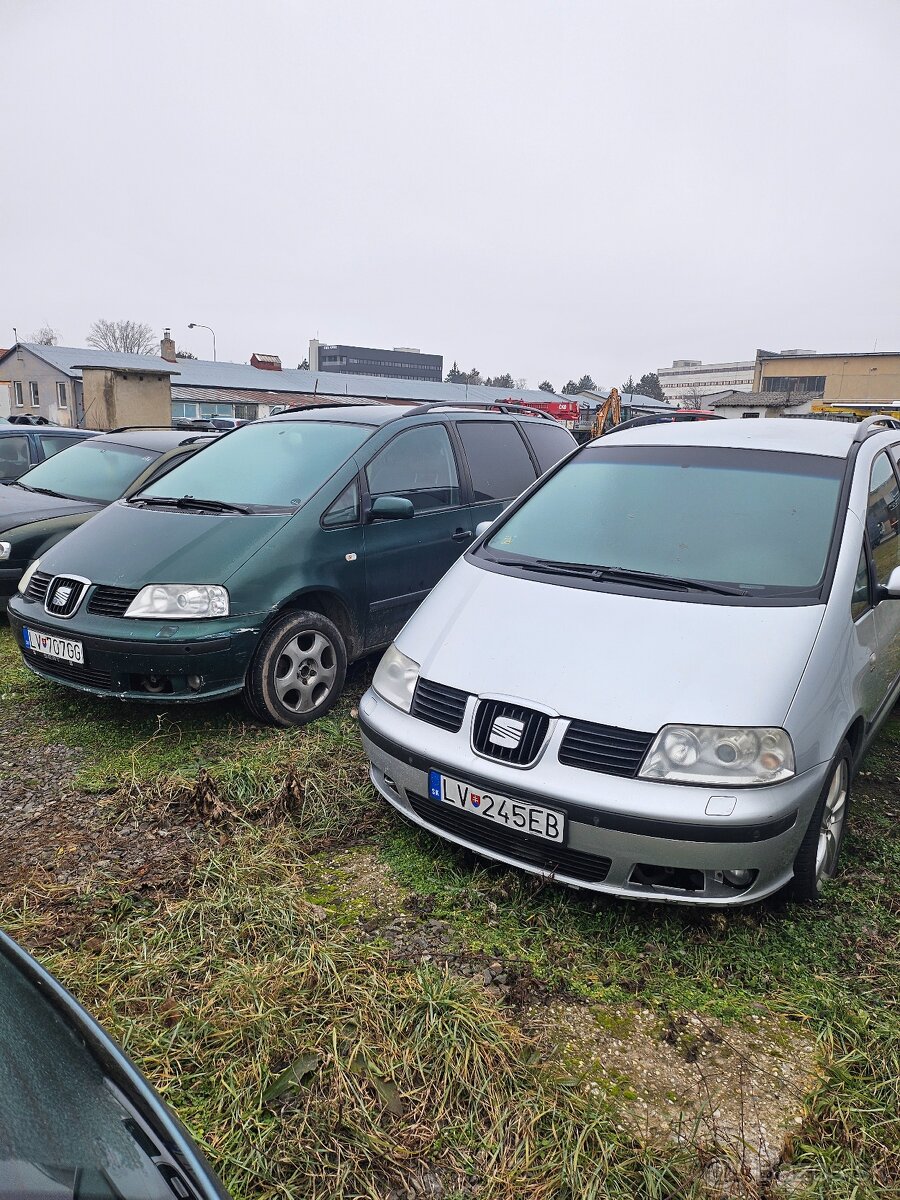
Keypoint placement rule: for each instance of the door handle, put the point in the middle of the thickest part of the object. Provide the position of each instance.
(873, 659)
(461, 535)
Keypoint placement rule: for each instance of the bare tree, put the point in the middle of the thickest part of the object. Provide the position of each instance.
(128, 337)
(45, 336)
(694, 400)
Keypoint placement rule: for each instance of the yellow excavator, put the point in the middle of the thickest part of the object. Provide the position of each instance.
(608, 415)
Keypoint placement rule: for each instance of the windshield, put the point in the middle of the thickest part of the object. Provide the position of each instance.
(758, 520)
(271, 464)
(90, 470)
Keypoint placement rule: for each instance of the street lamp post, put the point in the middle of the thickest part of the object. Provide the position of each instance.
(195, 325)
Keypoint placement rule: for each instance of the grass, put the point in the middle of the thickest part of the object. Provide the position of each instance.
(309, 1061)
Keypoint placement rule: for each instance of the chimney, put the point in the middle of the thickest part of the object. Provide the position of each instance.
(167, 346)
(265, 362)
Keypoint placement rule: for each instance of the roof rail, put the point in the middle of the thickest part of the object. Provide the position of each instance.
(132, 428)
(870, 425)
(321, 404)
(204, 437)
(502, 406)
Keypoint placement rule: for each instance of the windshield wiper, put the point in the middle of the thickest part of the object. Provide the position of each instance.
(190, 502)
(625, 575)
(43, 491)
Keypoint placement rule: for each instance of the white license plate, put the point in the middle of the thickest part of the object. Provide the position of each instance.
(514, 814)
(54, 647)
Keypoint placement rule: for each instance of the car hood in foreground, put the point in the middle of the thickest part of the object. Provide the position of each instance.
(630, 661)
(128, 546)
(18, 507)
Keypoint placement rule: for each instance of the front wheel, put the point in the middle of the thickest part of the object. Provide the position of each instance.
(817, 858)
(298, 671)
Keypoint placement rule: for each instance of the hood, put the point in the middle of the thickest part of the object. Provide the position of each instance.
(630, 661)
(126, 546)
(18, 507)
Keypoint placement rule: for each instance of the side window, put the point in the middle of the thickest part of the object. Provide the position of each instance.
(499, 463)
(882, 516)
(344, 510)
(860, 600)
(14, 460)
(549, 441)
(52, 445)
(418, 465)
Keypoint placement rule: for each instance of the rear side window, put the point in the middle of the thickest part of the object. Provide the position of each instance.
(419, 466)
(52, 445)
(550, 443)
(14, 459)
(882, 517)
(499, 462)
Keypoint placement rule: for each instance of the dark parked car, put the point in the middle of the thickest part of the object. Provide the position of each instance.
(24, 446)
(287, 548)
(42, 506)
(78, 1121)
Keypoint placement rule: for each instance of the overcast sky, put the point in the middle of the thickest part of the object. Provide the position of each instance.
(545, 187)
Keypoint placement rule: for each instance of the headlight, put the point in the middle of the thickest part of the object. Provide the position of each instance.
(26, 578)
(395, 678)
(5, 550)
(719, 755)
(179, 601)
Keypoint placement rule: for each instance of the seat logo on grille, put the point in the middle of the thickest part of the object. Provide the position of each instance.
(61, 595)
(507, 732)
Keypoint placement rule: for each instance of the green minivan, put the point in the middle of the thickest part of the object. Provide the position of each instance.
(276, 555)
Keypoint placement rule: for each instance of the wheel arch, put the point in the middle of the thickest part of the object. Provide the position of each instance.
(328, 604)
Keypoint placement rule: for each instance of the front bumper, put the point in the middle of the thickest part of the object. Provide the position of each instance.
(171, 662)
(615, 827)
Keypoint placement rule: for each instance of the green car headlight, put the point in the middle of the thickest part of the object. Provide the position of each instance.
(180, 601)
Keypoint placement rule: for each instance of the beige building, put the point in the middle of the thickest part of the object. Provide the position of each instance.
(838, 378)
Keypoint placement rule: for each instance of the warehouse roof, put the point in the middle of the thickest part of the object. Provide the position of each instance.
(736, 399)
(199, 373)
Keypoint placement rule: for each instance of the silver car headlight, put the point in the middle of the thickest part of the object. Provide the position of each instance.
(722, 756)
(180, 601)
(5, 550)
(26, 576)
(395, 679)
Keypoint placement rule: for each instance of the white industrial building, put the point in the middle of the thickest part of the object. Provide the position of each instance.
(689, 379)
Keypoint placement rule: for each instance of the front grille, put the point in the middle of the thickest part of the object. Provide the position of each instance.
(37, 586)
(64, 595)
(61, 670)
(111, 601)
(509, 732)
(604, 748)
(439, 705)
(548, 856)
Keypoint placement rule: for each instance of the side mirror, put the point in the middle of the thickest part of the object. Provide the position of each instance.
(892, 588)
(482, 527)
(391, 508)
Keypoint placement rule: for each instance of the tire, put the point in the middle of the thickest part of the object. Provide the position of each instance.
(817, 858)
(298, 671)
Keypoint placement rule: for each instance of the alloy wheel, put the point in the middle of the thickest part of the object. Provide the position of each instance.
(832, 826)
(305, 671)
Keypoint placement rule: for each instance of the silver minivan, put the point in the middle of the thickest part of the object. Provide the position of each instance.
(656, 673)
